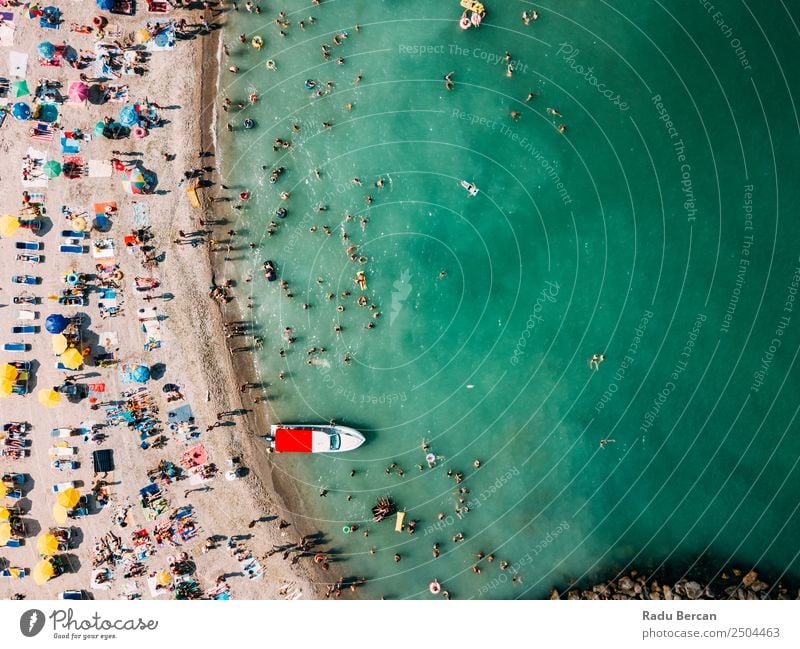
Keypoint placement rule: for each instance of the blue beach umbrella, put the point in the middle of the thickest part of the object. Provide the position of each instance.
(21, 111)
(55, 323)
(141, 374)
(46, 50)
(128, 116)
(105, 5)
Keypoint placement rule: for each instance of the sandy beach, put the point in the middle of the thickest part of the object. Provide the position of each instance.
(192, 353)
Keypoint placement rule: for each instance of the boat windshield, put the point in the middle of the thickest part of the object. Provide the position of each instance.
(335, 442)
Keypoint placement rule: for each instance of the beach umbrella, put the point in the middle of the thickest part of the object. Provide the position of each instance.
(105, 5)
(60, 344)
(97, 95)
(163, 578)
(100, 222)
(8, 371)
(49, 398)
(60, 513)
(52, 168)
(6, 387)
(78, 91)
(72, 359)
(69, 498)
(8, 225)
(142, 35)
(141, 374)
(21, 88)
(4, 514)
(43, 572)
(46, 50)
(128, 115)
(47, 544)
(55, 323)
(21, 111)
(134, 182)
(79, 224)
(3, 490)
(5, 533)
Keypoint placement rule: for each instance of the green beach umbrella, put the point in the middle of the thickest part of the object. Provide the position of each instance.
(21, 88)
(52, 169)
(99, 128)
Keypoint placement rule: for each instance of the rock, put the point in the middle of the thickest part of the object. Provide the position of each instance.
(693, 590)
(736, 572)
(740, 594)
(667, 592)
(637, 588)
(625, 584)
(749, 578)
(758, 586)
(588, 594)
(599, 588)
(634, 573)
(554, 594)
(573, 595)
(654, 594)
(724, 576)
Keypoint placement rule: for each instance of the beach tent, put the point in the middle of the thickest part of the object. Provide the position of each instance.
(21, 111)
(97, 95)
(60, 344)
(141, 374)
(21, 88)
(55, 323)
(135, 182)
(43, 572)
(72, 359)
(46, 50)
(49, 398)
(47, 544)
(128, 115)
(60, 514)
(52, 169)
(103, 461)
(78, 91)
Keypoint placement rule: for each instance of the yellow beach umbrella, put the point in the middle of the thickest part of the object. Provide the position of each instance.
(5, 533)
(4, 514)
(60, 343)
(78, 224)
(163, 578)
(8, 225)
(42, 572)
(142, 35)
(69, 498)
(49, 398)
(60, 514)
(3, 490)
(72, 359)
(6, 387)
(8, 371)
(47, 544)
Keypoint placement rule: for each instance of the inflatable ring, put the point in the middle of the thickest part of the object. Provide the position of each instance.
(117, 275)
(435, 587)
(72, 279)
(346, 529)
(257, 42)
(430, 458)
(310, 84)
(464, 23)
(319, 558)
(244, 195)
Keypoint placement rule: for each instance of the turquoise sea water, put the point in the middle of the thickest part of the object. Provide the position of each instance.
(659, 230)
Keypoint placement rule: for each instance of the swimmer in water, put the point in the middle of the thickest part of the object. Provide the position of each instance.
(553, 112)
(442, 274)
(510, 70)
(531, 96)
(595, 360)
(561, 128)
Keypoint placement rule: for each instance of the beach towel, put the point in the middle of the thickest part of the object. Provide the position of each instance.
(70, 146)
(35, 177)
(108, 340)
(50, 18)
(6, 29)
(117, 93)
(100, 169)
(162, 36)
(103, 249)
(17, 64)
(42, 131)
(141, 215)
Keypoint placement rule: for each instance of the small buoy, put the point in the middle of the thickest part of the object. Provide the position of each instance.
(435, 587)
(257, 42)
(346, 529)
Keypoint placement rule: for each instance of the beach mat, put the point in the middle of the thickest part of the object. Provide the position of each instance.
(100, 169)
(17, 64)
(69, 146)
(7, 29)
(39, 180)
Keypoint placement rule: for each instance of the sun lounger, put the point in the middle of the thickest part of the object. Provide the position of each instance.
(71, 234)
(25, 330)
(13, 573)
(16, 347)
(72, 250)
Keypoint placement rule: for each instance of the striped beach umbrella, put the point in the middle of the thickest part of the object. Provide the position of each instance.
(9, 224)
(134, 182)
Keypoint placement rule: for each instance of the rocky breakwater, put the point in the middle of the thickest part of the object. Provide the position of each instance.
(735, 585)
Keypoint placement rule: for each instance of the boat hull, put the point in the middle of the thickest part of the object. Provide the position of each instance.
(302, 438)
